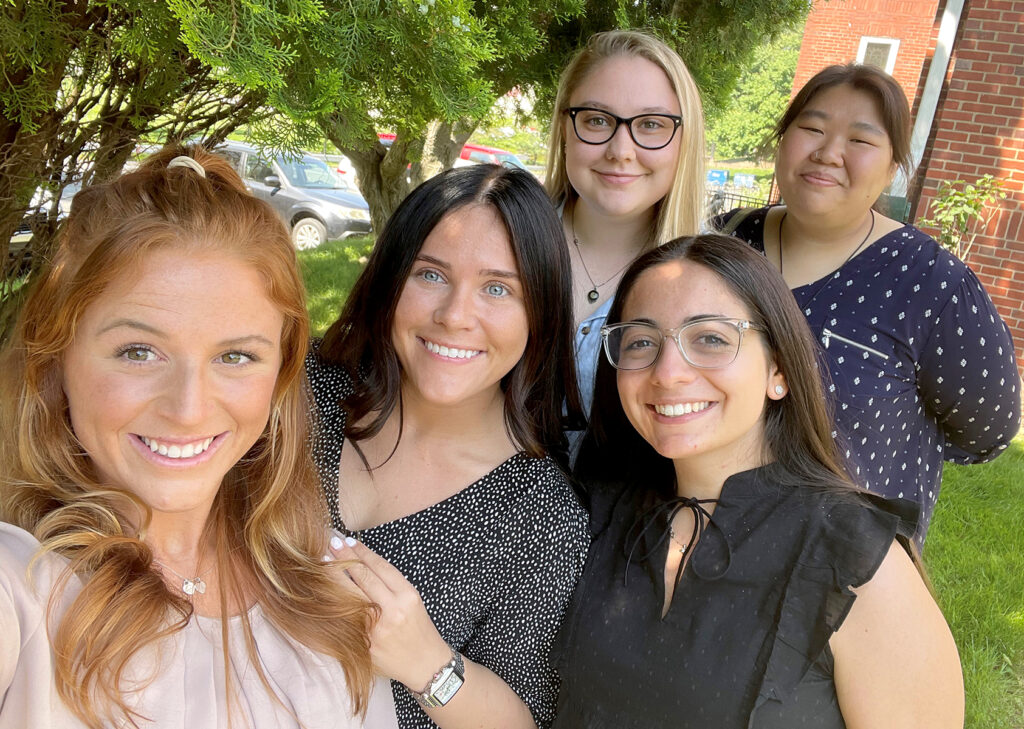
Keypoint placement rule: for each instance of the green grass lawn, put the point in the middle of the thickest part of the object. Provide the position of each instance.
(329, 272)
(974, 555)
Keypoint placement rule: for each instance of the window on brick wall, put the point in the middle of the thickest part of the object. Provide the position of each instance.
(880, 52)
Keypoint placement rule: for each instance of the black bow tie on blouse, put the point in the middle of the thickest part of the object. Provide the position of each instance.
(667, 510)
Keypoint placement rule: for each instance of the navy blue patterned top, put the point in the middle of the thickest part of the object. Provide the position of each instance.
(922, 366)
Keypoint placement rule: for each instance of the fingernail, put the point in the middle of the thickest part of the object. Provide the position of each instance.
(336, 542)
(327, 558)
(350, 541)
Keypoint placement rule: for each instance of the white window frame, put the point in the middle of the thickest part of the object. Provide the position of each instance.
(894, 48)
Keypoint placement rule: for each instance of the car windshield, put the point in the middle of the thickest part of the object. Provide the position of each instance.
(510, 160)
(311, 172)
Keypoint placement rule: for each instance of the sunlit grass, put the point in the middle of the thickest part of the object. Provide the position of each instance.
(975, 556)
(329, 272)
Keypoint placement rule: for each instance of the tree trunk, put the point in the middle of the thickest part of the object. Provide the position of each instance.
(385, 173)
(442, 145)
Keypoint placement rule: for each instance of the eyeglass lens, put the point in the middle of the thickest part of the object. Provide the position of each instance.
(651, 131)
(706, 344)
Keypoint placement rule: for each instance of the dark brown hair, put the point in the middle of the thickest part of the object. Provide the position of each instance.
(883, 88)
(797, 427)
(544, 379)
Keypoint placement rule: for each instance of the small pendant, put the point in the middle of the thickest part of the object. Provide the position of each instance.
(593, 296)
(190, 587)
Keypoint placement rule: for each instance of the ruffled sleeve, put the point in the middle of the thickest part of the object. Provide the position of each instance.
(847, 539)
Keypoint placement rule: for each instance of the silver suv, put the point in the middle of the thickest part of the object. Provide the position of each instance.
(313, 200)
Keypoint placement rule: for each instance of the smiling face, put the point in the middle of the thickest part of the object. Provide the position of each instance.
(460, 324)
(835, 159)
(620, 178)
(684, 412)
(170, 376)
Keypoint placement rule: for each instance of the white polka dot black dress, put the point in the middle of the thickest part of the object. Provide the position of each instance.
(922, 366)
(495, 564)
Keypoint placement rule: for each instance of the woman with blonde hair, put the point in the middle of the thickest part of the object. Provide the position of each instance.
(162, 551)
(625, 167)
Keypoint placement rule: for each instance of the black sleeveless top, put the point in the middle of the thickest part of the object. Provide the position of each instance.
(745, 641)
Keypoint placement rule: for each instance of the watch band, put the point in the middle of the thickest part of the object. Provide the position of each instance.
(444, 684)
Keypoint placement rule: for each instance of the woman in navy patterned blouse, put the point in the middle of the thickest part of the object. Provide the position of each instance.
(922, 367)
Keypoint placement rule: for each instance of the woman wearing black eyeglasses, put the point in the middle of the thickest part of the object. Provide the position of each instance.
(736, 578)
(625, 167)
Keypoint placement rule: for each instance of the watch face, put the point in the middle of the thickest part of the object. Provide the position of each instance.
(448, 688)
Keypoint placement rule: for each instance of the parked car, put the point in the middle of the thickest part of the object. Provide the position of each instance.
(312, 199)
(472, 154)
(19, 252)
(493, 155)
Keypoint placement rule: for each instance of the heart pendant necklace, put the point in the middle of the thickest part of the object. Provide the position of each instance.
(189, 585)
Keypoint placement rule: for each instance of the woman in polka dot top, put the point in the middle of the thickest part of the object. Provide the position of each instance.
(921, 366)
(439, 395)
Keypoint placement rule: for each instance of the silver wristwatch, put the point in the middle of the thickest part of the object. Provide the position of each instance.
(444, 684)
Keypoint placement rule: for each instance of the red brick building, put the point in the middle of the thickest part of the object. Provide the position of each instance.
(969, 108)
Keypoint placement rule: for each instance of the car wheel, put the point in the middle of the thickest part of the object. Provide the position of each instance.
(308, 233)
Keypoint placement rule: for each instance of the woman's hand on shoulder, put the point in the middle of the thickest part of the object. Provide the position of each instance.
(405, 644)
(896, 665)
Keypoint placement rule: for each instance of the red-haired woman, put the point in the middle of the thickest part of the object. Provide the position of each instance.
(162, 556)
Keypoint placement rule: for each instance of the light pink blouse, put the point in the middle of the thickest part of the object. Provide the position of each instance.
(181, 681)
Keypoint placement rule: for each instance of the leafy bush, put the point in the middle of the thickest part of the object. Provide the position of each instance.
(960, 208)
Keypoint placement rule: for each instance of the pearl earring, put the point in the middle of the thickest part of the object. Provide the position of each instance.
(780, 390)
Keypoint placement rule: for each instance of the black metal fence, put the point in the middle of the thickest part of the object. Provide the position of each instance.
(720, 200)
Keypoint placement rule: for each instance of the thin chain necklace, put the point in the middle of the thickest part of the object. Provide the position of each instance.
(682, 545)
(189, 585)
(593, 294)
(828, 278)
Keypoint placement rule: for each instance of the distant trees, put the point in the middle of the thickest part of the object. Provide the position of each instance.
(758, 101)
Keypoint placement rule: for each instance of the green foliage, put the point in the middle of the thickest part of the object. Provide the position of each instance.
(975, 557)
(81, 85)
(759, 100)
(430, 70)
(961, 210)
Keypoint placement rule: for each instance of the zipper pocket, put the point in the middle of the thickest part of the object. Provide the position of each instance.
(828, 334)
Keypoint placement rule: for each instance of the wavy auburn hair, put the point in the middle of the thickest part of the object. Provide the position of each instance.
(681, 211)
(267, 522)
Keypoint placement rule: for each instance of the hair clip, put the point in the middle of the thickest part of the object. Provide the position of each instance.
(183, 161)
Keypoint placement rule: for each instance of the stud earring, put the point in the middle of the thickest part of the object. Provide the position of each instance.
(780, 390)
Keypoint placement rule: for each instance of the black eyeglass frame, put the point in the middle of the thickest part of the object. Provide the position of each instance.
(742, 325)
(572, 111)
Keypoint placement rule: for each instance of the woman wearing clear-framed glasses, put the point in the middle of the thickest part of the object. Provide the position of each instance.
(625, 168)
(737, 578)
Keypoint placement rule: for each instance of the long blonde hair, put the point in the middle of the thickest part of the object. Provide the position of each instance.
(681, 211)
(267, 523)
